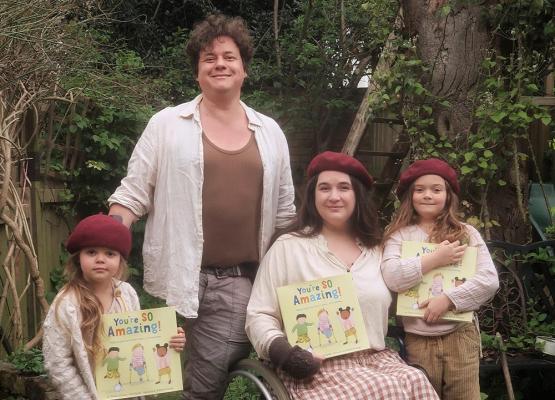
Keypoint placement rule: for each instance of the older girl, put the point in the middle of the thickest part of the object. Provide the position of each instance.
(449, 351)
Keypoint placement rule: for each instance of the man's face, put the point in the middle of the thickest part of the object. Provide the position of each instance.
(220, 68)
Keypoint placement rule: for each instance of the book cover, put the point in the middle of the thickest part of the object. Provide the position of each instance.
(323, 316)
(436, 281)
(138, 360)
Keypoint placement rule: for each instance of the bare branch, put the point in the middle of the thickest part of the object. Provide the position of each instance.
(276, 34)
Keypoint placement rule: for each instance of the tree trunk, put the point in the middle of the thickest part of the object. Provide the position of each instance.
(453, 45)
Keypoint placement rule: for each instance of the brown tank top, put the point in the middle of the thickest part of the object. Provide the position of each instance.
(231, 204)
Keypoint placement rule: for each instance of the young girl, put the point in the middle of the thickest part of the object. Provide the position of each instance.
(99, 246)
(449, 351)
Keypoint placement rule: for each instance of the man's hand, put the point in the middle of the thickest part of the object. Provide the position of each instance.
(436, 307)
(177, 342)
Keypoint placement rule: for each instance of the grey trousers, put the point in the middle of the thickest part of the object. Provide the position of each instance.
(217, 338)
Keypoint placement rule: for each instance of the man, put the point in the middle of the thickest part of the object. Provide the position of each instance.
(213, 175)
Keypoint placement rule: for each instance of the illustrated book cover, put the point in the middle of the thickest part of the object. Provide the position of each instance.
(138, 360)
(323, 316)
(436, 281)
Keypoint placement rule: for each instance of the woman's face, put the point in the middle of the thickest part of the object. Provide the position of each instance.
(335, 199)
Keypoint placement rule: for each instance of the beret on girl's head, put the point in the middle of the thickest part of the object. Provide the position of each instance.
(100, 231)
(431, 166)
(332, 161)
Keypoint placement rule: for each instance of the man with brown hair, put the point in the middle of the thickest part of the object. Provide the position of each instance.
(213, 175)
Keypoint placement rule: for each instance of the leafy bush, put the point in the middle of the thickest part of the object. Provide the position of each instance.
(523, 339)
(29, 362)
(241, 389)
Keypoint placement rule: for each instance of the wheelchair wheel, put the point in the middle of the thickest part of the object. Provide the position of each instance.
(262, 376)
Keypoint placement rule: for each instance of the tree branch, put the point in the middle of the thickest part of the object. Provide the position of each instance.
(276, 35)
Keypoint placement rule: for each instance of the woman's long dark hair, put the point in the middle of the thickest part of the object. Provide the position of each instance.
(364, 221)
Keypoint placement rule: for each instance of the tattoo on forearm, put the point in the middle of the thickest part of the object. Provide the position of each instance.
(117, 217)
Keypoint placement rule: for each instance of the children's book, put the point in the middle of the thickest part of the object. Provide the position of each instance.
(323, 316)
(436, 281)
(137, 360)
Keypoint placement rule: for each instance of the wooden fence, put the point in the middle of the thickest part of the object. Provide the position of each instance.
(379, 137)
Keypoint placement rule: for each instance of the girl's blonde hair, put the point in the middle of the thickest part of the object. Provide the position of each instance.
(89, 304)
(447, 225)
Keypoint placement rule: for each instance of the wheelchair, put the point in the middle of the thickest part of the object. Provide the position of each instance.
(269, 384)
(262, 376)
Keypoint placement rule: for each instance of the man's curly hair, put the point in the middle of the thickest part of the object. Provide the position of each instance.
(214, 26)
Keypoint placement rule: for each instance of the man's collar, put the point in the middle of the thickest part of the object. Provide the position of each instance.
(187, 110)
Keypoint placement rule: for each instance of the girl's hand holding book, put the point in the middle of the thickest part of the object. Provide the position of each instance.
(436, 307)
(446, 253)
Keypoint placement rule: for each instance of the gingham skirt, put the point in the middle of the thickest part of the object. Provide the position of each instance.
(362, 375)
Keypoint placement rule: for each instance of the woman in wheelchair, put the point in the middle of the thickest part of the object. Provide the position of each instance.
(336, 231)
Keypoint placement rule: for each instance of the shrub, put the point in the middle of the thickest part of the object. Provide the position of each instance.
(29, 362)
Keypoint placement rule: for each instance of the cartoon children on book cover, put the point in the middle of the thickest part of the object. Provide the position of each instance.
(435, 282)
(138, 360)
(323, 316)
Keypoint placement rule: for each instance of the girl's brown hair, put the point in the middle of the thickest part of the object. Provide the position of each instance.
(446, 227)
(364, 221)
(89, 305)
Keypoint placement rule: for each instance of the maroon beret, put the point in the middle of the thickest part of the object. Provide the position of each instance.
(100, 231)
(431, 166)
(332, 161)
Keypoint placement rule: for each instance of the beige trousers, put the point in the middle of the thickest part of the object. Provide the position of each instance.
(452, 361)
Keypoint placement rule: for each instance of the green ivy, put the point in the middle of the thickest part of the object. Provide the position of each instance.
(28, 361)
(550, 232)
(241, 388)
(503, 114)
(523, 338)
